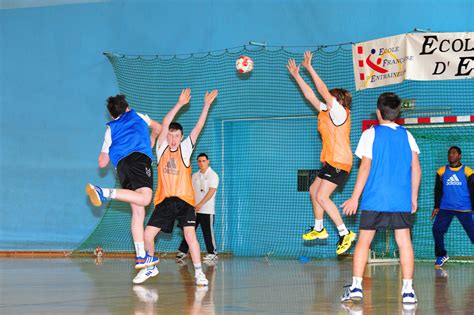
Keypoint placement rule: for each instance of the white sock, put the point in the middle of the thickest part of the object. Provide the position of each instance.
(197, 269)
(407, 285)
(342, 230)
(318, 225)
(109, 193)
(140, 249)
(356, 282)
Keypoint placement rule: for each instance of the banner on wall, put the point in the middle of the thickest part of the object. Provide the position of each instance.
(420, 56)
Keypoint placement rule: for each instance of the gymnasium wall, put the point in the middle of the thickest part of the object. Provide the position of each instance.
(54, 80)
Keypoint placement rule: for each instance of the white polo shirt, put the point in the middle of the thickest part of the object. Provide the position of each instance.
(201, 184)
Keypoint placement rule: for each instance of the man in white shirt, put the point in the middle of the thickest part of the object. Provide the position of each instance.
(205, 183)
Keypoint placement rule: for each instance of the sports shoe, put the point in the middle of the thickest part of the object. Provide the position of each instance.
(210, 257)
(354, 295)
(144, 274)
(95, 194)
(147, 261)
(181, 256)
(409, 297)
(345, 242)
(146, 294)
(201, 279)
(440, 260)
(312, 234)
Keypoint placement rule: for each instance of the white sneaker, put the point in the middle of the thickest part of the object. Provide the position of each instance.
(145, 294)
(210, 257)
(409, 297)
(144, 274)
(201, 279)
(181, 256)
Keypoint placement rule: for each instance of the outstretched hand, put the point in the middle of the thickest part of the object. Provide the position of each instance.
(210, 97)
(349, 207)
(307, 59)
(293, 68)
(185, 97)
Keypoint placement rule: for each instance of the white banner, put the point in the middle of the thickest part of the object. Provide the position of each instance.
(420, 56)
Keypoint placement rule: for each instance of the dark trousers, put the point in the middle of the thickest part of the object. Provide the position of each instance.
(441, 225)
(207, 226)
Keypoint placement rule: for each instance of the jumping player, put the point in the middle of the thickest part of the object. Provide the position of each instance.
(334, 125)
(128, 145)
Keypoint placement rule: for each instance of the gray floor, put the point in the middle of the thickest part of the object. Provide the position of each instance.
(237, 286)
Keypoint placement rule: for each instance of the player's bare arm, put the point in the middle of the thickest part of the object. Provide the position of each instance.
(320, 85)
(183, 99)
(209, 98)
(304, 87)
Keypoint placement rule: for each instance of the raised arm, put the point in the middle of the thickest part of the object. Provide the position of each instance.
(155, 131)
(320, 85)
(305, 88)
(184, 99)
(208, 99)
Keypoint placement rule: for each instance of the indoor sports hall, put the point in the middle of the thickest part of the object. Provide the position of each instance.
(61, 59)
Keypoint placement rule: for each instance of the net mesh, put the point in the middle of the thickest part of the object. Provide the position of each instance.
(261, 131)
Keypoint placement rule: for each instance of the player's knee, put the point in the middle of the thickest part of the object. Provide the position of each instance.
(190, 236)
(313, 189)
(321, 198)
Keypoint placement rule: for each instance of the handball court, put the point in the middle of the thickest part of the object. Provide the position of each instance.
(260, 285)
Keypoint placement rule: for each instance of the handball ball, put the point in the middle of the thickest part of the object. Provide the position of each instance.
(244, 64)
(98, 251)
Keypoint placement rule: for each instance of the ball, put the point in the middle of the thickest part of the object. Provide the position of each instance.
(98, 251)
(244, 64)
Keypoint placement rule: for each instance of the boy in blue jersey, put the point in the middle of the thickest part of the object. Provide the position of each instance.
(389, 176)
(453, 197)
(128, 144)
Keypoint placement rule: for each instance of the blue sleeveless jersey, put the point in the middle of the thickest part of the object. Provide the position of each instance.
(388, 187)
(455, 190)
(129, 134)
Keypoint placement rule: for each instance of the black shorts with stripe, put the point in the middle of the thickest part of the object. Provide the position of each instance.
(332, 174)
(376, 220)
(171, 209)
(135, 171)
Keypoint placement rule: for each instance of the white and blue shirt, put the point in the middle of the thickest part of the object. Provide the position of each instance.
(127, 134)
(388, 187)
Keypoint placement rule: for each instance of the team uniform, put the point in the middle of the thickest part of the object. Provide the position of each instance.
(174, 198)
(386, 200)
(454, 197)
(205, 216)
(127, 142)
(387, 197)
(336, 155)
(334, 126)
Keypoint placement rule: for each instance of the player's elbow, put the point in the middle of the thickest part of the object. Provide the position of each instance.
(103, 160)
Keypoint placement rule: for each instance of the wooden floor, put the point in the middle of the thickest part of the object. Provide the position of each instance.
(236, 286)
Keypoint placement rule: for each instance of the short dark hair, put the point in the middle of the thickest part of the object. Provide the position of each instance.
(455, 148)
(202, 155)
(389, 105)
(175, 126)
(117, 105)
(343, 97)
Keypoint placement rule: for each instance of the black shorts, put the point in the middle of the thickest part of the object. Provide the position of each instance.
(171, 209)
(332, 174)
(135, 171)
(376, 220)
